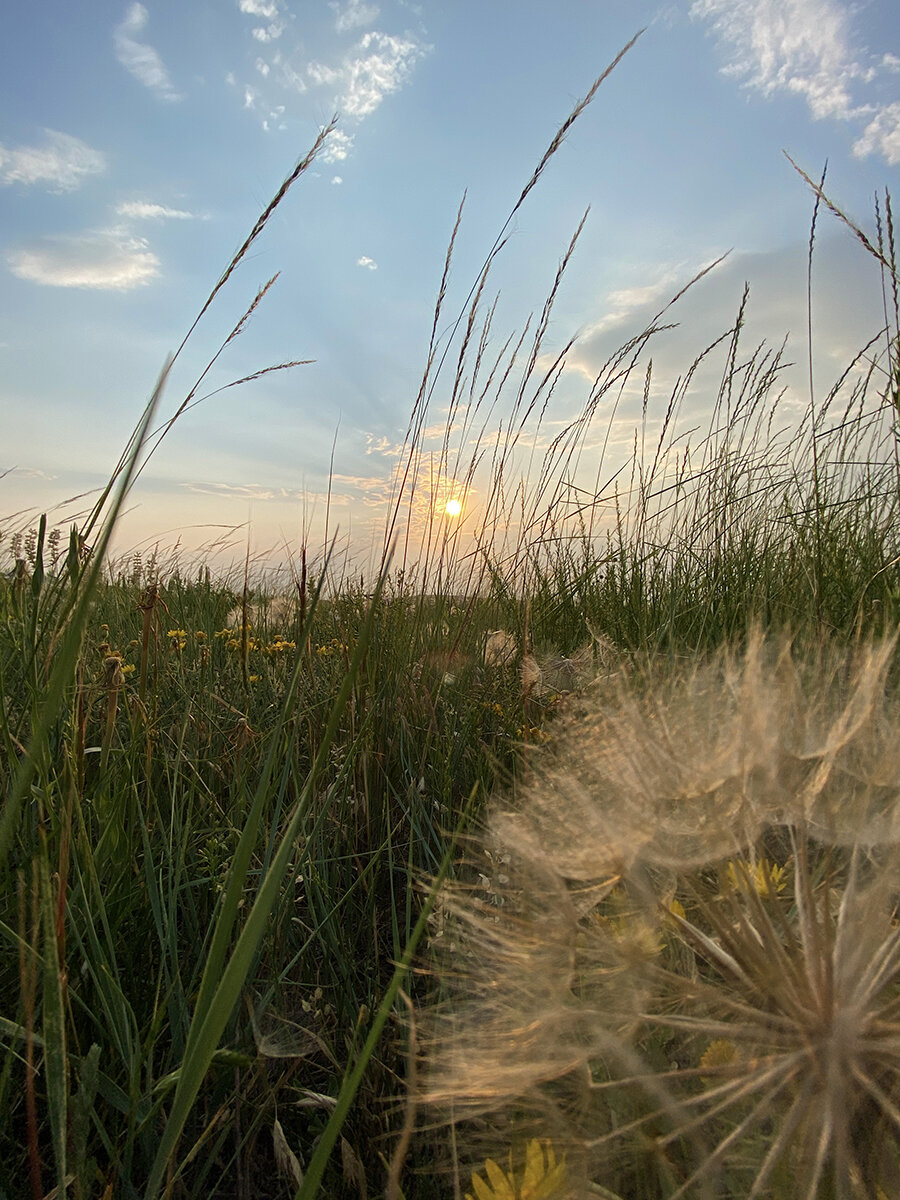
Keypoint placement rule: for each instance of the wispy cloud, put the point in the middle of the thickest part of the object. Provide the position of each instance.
(104, 260)
(881, 136)
(241, 491)
(268, 33)
(376, 66)
(61, 163)
(337, 147)
(369, 263)
(266, 10)
(142, 210)
(383, 446)
(259, 8)
(32, 473)
(139, 58)
(622, 304)
(261, 492)
(353, 14)
(807, 47)
(273, 120)
(372, 491)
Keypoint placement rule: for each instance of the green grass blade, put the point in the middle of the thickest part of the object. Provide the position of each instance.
(312, 1180)
(54, 1028)
(209, 1023)
(64, 667)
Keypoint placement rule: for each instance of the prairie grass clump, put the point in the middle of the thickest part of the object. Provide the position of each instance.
(688, 975)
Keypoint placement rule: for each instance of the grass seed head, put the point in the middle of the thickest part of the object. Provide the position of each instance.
(694, 970)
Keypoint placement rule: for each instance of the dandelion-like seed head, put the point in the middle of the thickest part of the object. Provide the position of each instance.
(692, 979)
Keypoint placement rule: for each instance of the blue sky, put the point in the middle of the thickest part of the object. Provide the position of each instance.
(138, 144)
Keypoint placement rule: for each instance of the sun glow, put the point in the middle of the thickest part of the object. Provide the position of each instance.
(453, 508)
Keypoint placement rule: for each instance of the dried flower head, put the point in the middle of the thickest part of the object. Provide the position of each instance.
(692, 979)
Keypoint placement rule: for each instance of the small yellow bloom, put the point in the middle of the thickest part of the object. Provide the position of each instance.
(200, 636)
(532, 733)
(764, 877)
(542, 1178)
(719, 1053)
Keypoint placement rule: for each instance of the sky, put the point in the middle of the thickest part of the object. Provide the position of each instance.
(140, 142)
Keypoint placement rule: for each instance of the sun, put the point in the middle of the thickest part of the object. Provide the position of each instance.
(453, 508)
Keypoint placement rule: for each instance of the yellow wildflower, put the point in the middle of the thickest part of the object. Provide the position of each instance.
(542, 1178)
(764, 877)
(721, 1052)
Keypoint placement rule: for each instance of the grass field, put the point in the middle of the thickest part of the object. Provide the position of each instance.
(227, 815)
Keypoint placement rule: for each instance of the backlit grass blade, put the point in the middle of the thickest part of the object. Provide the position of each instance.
(63, 669)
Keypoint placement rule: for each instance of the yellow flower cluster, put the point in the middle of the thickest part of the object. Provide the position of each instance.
(531, 733)
(763, 877)
(335, 646)
(278, 646)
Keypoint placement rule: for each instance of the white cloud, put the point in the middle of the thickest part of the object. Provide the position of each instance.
(622, 303)
(798, 45)
(286, 75)
(337, 179)
(369, 263)
(263, 67)
(383, 446)
(249, 97)
(321, 73)
(106, 260)
(337, 147)
(142, 210)
(353, 14)
(259, 8)
(376, 66)
(274, 117)
(141, 60)
(268, 10)
(806, 47)
(268, 33)
(61, 163)
(882, 136)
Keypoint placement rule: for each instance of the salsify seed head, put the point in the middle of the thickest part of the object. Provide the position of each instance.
(690, 979)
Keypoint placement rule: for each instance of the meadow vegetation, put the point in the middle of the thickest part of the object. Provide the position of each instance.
(263, 933)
